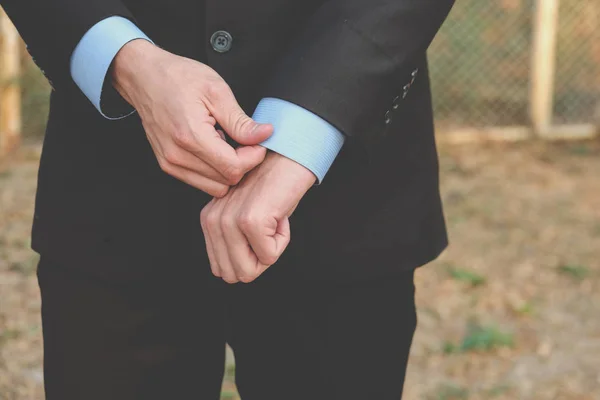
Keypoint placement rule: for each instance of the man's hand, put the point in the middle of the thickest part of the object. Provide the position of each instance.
(247, 230)
(180, 101)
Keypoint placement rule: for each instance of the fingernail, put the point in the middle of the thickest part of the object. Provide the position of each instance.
(256, 128)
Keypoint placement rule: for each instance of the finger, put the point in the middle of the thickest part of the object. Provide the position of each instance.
(214, 187)
(217, 238)
(204, 216)
(267, 241)
(222, 134)
(250, 157)
(183, 158)
(222, 105)
(282, 236)
(244, 261)
(209, 146)
(231, 163)
(192, 178)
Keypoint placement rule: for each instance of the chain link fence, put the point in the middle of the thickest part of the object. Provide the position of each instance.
(577, 84)
(481, 64)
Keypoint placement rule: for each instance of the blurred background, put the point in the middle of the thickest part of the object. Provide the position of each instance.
(512, 309)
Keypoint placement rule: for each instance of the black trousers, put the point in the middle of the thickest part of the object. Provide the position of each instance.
(165, 338)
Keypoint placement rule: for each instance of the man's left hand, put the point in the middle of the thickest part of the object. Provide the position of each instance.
(248, 230)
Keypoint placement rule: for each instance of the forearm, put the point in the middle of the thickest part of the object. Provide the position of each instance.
(357, 57)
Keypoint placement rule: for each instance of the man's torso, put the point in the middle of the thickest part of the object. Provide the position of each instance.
(102, 195)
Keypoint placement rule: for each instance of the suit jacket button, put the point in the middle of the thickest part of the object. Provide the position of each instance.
(405, 89)
(396, 103)
(388, 117)
(221, 41)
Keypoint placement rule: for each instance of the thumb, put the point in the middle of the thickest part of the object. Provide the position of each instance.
(245, 130)
(269, 246)
(224, 107)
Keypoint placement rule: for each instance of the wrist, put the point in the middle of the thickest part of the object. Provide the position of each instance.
(301, 175)
(129, 66)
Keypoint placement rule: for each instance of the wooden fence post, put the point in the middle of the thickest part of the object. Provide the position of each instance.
(543, 65)
(10, 91)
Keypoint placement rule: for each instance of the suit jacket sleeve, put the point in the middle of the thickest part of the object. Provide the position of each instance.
(352, 59)
(52, 28)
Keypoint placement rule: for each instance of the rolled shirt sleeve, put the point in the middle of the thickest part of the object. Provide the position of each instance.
(94, 54)
(300, 135)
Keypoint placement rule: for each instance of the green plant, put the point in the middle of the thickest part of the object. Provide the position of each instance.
(449, 347)
(580, 149)
(9, 334)
(498, 390)
(229, 395)
(230, 371)
(480, 338)
(526, 308)
(577, 272)
(450, 391)
(485, 338)
(466, 276)
(27, 266)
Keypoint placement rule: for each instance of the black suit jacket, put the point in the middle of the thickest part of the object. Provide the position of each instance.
(104, 204)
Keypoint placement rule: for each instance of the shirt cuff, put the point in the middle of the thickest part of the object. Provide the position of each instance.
(300, 135)
(94, 54)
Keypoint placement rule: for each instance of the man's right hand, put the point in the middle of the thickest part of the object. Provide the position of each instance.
(179, 101)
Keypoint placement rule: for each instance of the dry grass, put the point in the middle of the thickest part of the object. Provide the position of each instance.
(510, 311)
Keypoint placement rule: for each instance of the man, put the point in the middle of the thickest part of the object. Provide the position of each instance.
(137, 301)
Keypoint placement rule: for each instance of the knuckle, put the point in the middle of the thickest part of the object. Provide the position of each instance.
(240, 121)
(220, 191)
(203, 216)
(212, 220)
(171, 156)
(269, 259)
(182, 138)
(247, 221)
(234, 174)
(165, 165)
(248, 278)
(230, 279)
(216, 89)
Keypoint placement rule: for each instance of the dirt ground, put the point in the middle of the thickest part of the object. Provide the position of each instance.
(510, 311)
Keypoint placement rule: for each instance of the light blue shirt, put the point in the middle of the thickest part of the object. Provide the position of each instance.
(299, 134)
